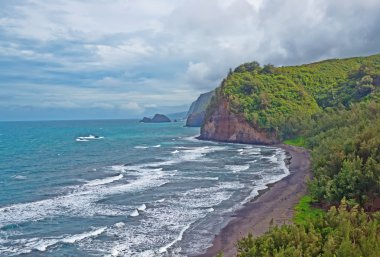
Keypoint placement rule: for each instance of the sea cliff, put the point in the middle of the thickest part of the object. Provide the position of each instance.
(223, 125)
(197, 110)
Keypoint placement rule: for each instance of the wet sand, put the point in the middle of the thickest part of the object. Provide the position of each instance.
(276, 202)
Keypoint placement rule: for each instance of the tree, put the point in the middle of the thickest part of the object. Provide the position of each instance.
(264, 101)
(248, 67)
(365, 85)
(268, 69)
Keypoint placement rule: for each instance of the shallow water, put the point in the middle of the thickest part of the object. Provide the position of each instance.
(121, 188)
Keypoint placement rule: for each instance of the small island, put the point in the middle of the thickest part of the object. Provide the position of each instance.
(158, 118)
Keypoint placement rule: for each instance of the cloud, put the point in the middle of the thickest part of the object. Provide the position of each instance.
(132, 106)
(131, 51)
(104, 106)
(150, 106)
(139, 55)
(199, 74)
(109, 82)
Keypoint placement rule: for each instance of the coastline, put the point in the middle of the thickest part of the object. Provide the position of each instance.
(276, 203)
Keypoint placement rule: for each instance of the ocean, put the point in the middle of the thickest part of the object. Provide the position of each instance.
(122, 188)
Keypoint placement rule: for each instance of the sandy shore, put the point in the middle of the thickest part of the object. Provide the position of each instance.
(276, 202)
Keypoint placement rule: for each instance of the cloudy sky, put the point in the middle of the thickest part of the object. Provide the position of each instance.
(76, 59)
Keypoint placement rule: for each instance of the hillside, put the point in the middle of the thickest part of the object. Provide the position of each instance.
(277, 99)
(333, 109)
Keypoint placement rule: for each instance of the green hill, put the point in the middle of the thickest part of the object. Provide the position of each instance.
(278, 98)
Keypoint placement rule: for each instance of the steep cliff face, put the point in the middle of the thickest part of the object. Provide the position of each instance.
(195, 119)
(197, 110)
(223, 125)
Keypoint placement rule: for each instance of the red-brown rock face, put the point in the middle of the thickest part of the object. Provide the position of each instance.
(223, 125)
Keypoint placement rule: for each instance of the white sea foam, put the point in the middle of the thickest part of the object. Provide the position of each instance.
(161, 231)
(88, 138)
(81, 140)
(237, 168)
(261, 184)
(20, 177)
(283, 167)
(191, 138)
(119, 168)
(42, 244)
(175, 151)
(161, 200)
(120, 225)
(272, 158)
(142, 207)
(82, 201)
(141, 147)
(74, 238)
(201, 178)
(210, 209)
(135, 213)
(179, 238)
(97, 182)
(255, 192)
(91, 137)
(114, 252)
(251, 151)
(197, 153)
(156, 146)
(196, 140)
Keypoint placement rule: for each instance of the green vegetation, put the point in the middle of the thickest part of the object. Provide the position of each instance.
(333, 109)
(341, 233)
(345, 147)
(279, 99)
(304, 211)
(298, 141)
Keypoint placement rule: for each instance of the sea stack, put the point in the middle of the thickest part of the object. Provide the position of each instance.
(158, 118)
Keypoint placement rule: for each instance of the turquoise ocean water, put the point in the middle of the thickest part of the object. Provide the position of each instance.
(121, 188)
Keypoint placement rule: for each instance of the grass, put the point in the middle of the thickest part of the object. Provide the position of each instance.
(305, 212)
(298, 141)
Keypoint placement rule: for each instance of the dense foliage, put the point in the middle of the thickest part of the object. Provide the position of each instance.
(340, 233)
(279, 98)
(346, 154)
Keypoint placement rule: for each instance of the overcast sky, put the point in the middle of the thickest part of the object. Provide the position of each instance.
(74, 59)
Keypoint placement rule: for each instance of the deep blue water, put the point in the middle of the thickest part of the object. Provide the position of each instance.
(121, 188)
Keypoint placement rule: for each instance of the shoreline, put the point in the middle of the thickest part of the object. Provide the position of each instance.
(276, 202)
